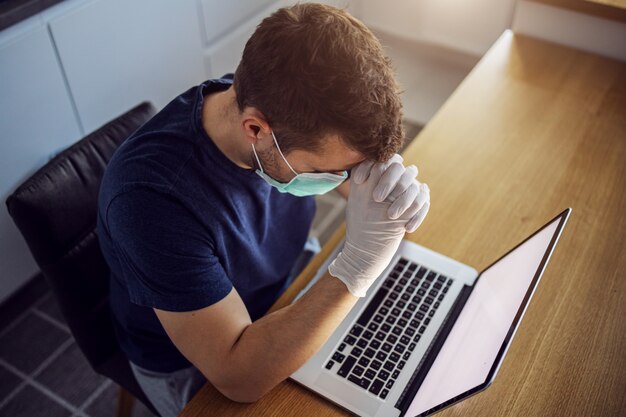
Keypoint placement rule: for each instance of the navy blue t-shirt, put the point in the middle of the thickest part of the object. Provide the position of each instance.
(180, 225)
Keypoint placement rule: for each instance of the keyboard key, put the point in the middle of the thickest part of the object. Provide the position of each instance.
(345, 369)
(417, 338)
(392, 339)
(388, 303)
(406, 297)
(394, 357)
(381, 335)
(445, 289)
(377, 385)
(412, 307)
(409, 331)
(338, 357)
(428, 300)
(411, 346)
(388, 283)
(389, 366)
(400, 304)
(389, 383)
(431, 276)
(378, 318)
(441, 297)
(441, 278)
(415, 322)
(341, 347)
(407, 315)
(375, 344)
(399, 348)
(425, 285)
(385, 328)
(370, 374)
(384, 394)
(330, 364)
(362, 382)
(421, 291)
(364, 362)
(401, 364)
(397, 331)
(422, 329)
(387, 347)
(437, 285)
(424, 308)
(449, 282)
(393, 295)
(370, 353)
(410, 289)
(403, 261)
(376, 365)
(405, 340)
(431, 313)
(402, 323)
(427, 321)
(421, 272)
(412, 266)
(368, 335)
(419, 315)
(384, 375)
(362, 343)
(437, 304)
(403, 281)
(364, 318)
(383, 311)
(392, 320)
(356, 331)
(381, 356)
(358, 370)
(373, 327)
(406, 355)
(356, 352)
(433, 293)
(398, 288)
(395, 374)
(395, 312)
(350, 340)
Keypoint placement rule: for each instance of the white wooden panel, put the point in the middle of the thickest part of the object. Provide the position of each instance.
(222, 17)
(117, 53)
(573, 29)
(36, 120)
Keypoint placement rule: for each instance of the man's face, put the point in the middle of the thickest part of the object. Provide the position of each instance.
(334, 157)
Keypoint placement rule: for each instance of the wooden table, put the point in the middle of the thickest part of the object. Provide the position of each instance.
(533, 129)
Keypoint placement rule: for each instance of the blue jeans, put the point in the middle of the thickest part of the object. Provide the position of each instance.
(170, 392)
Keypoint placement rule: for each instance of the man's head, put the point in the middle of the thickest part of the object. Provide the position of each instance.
(315, 75)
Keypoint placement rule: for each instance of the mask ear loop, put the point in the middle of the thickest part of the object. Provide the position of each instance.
(283, 156)
(257, 159)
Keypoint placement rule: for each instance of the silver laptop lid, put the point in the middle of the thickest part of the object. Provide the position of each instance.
(474, 349)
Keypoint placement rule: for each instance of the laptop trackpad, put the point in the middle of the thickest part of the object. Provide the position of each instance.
(339, 391)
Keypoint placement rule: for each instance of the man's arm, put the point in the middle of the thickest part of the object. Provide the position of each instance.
(245, 360)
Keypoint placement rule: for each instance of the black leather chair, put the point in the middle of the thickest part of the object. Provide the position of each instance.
(55, 210)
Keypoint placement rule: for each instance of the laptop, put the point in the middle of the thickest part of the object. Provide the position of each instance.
(430, 332)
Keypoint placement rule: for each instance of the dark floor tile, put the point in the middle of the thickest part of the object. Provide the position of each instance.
(50, 307)
(30, 342)
(8, 382)
(105, 405)
(70, 376)
(23, 299)
(30, 402)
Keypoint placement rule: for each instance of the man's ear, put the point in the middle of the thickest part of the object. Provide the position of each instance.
(254, 125)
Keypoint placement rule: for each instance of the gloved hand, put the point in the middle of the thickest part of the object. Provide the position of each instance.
(398, 185)
(372, 238)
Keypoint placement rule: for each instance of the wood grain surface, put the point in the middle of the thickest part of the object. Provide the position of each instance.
(533, 129)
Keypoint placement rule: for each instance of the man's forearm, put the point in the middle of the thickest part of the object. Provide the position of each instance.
(275, 346)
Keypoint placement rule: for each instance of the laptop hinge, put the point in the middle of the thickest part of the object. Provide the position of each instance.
(428, 359)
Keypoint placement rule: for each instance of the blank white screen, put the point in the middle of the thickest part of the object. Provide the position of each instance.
(471, 348)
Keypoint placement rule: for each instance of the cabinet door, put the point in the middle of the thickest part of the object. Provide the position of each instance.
(221, 17)
(117, 53)
(36, 120)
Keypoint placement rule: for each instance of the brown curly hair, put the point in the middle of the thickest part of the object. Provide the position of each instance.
(314, 70)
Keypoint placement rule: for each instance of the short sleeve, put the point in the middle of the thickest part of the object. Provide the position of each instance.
(165, 253)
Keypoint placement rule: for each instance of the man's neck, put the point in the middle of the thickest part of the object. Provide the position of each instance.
(220, 122)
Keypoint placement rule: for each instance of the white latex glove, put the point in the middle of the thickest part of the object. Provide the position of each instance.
(398, 185)
(372, 238)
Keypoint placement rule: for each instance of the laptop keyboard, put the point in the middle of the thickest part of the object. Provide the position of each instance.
(377, 347)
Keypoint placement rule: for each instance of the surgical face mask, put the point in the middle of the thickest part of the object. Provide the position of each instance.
(303, 184)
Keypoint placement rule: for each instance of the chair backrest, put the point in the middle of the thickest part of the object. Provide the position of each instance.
(56, 210)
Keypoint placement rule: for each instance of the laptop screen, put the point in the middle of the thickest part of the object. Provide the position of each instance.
(471, 354)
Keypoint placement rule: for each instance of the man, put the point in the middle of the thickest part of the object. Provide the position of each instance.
(205, 209)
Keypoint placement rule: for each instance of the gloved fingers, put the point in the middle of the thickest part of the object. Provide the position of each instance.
(405, 181)
(417, 220)
(379, 169)
(404, 202)
(388, 181)
(422, 197)
(360, 173)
